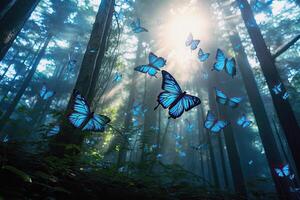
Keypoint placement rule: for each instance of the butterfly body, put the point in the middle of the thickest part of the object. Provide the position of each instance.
(222, 62)
(82, 118)
(155, 63)
(173, 98)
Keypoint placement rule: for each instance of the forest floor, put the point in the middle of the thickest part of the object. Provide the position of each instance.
(24, 176)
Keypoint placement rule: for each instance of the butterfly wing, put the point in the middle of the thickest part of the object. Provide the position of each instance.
(231, 67)
(146, 69)
(55, 130)
(279, 172)
(177, 110)
(189, 40)
(218, 126)
(190, 102)
(48, 95)
(221, 97)
(166, 99)
(80, 110)
(97, 123)
(220, 61)
(209, 121)
(169, 84)
(286, 170)
(241, 120)
(202, 56)
(140, 30)
(156, 61)
(234, 102)
(43, 91)
(194, 44)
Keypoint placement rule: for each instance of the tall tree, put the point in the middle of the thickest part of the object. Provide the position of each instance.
(25, 84)
(13, 21)
(284, 111)
(87, 75)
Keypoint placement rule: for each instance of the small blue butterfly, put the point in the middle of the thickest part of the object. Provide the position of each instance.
(81, 117)
(189, 127)
(5, 139)
(173, 98)
(213, 124)
(199, 147)
(283, 171)
(285, 96)
(277, 88)
(243, 121)
(117, 77)
(182, 153)
(45, 94)
(54, 131)
(136, 26)
(224, 63)
(250, 162)
(191, 42)
(260, 6)
(202, 56)
(223, 99)
(159, 156)
(155, 63)
(135, 122)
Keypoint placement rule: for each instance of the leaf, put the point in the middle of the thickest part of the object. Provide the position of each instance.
(18, 172)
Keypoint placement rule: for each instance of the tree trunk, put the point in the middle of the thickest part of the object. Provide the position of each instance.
(284, 111)
(25, 84)
(70, 135)
(13, 21)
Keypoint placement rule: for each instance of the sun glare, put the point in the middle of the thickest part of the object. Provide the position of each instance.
(178, 24)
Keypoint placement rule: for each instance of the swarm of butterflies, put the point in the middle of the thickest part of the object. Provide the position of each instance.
(172, 96)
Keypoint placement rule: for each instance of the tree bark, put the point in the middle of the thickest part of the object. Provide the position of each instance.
(284, 111)
(13, 21)
(25, 84)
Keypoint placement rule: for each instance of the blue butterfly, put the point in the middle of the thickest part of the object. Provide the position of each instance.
(81, 116)
(250, 162)
(202, 56)
(182, 154)
(55, 130)
(137, 110)
(223, 99)
(189, 126)
(199, 147)
(213, 124)
(223, 62)
(5, 139)
(173, 98)
(285, 96)
(45, 94)
(191, 42)
(277, 88)
(283, 171)
(243, 121)
(117, 77)
(136, 26)
(155, 63)
(260, 6)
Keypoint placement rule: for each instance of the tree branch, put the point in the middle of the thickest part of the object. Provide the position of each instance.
(280, 50)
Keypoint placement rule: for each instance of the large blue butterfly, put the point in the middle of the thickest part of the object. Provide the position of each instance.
(223, 99)
(243, 121)
(45, 94)
(155, 63)
(213, 124)
(173, 98)
(191, 42)
(81, 117)
(136, 26)
(202, 56)
(223, 62)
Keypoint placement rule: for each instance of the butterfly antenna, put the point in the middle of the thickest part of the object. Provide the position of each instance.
(156, 106)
